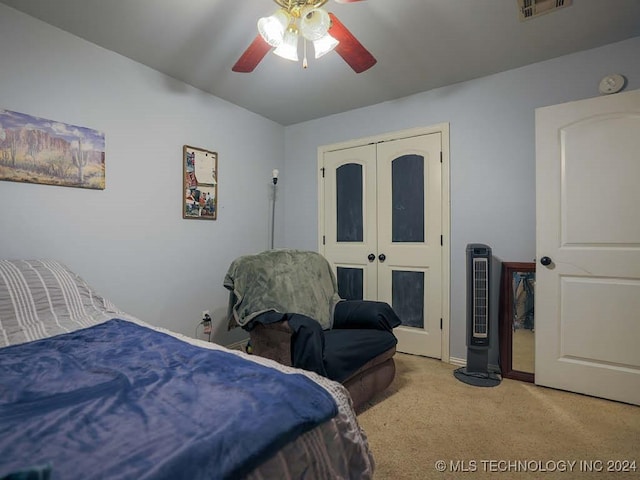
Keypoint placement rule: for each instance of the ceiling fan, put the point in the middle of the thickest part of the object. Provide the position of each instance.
(307, 19)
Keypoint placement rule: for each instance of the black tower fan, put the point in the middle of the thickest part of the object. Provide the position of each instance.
(478, 330)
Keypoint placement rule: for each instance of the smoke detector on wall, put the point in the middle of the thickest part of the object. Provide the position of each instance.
(611, 84)
(529, 9)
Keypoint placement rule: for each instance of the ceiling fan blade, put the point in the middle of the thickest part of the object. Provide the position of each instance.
(349, 48)
(347, 1)
(252, 56)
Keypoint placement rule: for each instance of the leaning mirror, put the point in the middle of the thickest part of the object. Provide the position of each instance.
(517, 327)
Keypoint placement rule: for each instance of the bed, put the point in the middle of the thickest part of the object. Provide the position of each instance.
(89, 391)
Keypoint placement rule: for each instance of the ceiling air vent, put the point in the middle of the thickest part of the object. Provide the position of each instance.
(533, 8)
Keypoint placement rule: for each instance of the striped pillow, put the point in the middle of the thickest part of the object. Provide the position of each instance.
(42, 298)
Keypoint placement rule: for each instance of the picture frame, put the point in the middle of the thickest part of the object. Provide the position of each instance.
(50, 152)
(517, 321)
(200, 183)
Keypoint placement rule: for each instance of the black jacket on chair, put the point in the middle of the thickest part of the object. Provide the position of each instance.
(361, 331)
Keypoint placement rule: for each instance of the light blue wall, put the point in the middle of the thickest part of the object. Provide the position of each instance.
(129, 241)
(492, 154)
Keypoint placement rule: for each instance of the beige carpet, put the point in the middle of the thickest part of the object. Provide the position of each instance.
(428, 415)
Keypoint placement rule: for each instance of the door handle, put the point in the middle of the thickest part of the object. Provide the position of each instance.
(382, 257)
(371, 257)
(546, 261)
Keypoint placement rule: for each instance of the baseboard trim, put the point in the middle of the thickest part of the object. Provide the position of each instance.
(240, 345)
(458, 362)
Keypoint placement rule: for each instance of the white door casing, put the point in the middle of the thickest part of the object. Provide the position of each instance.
(587, 300)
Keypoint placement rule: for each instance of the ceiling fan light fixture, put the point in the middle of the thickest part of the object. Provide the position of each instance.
(272, 29)
(289, 47)
(314, 23)
(324, 45)
(281, 32)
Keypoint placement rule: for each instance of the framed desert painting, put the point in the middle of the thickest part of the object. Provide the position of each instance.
(37, 150)
(200, 181)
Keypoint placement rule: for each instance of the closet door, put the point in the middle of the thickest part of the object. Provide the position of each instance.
(350, 226)
(409, 195)
(381, 217)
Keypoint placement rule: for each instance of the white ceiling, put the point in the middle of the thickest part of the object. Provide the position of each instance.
(419, 44)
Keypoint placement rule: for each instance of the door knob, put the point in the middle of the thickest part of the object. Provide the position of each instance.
(371, 257)
(546, 261)
(382, 257)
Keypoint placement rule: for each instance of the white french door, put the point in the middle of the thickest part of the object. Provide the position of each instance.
(350, 230)
(381, 224)
(587, 300)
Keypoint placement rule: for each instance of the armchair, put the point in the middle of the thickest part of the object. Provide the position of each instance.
(288, 302)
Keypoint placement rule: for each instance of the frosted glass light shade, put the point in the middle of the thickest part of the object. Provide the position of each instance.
(272, 28)
(314, 23)
(324, 45)
(289, 47)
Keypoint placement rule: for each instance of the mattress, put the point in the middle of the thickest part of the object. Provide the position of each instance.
(40, 299)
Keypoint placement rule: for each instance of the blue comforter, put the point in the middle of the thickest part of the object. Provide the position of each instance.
(121, 401)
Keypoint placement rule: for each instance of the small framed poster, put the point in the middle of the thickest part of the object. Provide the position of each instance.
(200, 182)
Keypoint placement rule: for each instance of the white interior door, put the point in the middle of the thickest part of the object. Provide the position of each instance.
(409, 239)
(350, 237)
(381, 221)
(587, 299)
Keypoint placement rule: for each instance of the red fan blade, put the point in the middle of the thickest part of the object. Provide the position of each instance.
(252, 56)
(349, 48)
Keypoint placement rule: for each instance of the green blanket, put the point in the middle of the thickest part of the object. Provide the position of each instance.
(283, 280)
